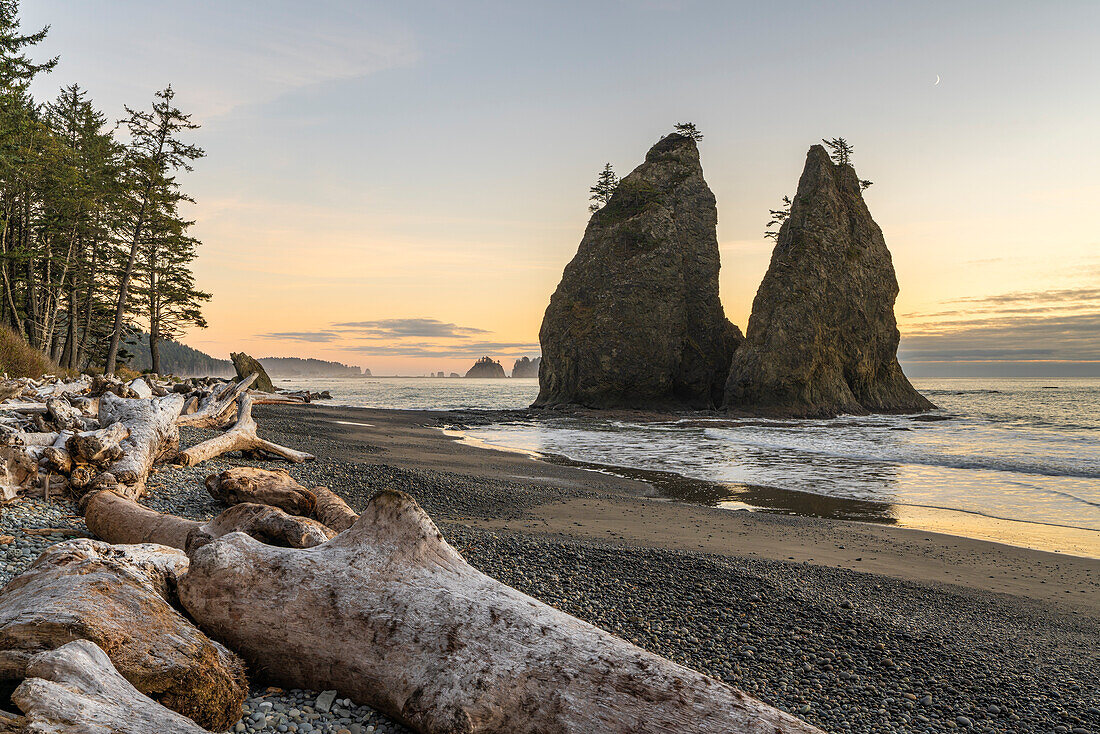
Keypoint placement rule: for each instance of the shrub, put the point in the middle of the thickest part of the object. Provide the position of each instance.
(19, 359)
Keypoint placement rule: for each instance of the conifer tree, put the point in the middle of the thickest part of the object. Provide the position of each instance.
(839, 150)
(153, 158)
(606, 183)
(779, 216)
(688, 130)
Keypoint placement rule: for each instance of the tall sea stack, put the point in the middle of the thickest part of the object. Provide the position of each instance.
(636, 321)
(822, 339)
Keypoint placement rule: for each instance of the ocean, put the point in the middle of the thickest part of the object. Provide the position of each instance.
(1016, 460)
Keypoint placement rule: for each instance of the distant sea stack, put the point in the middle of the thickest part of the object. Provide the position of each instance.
(526, 367)
(486, 367)
(822, 339)
(636, 321)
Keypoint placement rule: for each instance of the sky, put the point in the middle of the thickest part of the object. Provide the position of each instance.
(399, 185)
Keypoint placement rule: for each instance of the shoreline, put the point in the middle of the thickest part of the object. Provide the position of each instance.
(849, 625)
(1052, 537)
(603, 506)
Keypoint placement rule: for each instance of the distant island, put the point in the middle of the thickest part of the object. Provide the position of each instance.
(179, 359)
(526, 367)
(486, 367)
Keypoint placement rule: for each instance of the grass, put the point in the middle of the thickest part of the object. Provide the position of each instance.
(19, 359)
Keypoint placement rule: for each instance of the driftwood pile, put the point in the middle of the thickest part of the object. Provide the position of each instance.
(149, 628)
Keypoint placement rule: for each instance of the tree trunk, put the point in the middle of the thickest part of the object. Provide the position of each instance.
(120, 520)
(241, 437)
(387, 613)
(76, 690)
(275, 488)
(118, 597)
(153, 436)
(215, 412)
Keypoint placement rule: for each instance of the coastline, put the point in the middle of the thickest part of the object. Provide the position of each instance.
(853, 626)
(603, 505)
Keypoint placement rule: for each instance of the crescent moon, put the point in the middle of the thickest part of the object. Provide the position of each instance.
(937, 82)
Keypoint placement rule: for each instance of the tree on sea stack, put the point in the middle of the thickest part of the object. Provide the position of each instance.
(779, 216)
(604, 188)
(688, 130)
(154, 157)
(840, 151)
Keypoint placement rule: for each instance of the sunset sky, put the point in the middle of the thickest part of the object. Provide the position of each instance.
(398, 186)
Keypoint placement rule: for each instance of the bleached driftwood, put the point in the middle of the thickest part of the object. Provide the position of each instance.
(25, 406)
(76, 690)
(241, 437)
(118, 598)
(117, 519)
(389, 614)
(153, 435)
(141, 388)
(64, 415)
(218, 407)
(332, 510)
(278, 489)
(18, 471)
(264, 486)
(99, 446)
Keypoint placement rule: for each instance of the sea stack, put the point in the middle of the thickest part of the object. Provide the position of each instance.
(822, 339)
(245, 366)
(636, 321)
(526, 367)
(486, 367)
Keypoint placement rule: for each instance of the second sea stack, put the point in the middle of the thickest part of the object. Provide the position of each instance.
(636, 321)
(822, 339)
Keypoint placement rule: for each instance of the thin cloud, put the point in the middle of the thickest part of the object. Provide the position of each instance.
(409, 328)
(301, 336)
(443, 351)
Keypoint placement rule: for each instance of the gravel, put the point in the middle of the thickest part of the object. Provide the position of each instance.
(849, 652)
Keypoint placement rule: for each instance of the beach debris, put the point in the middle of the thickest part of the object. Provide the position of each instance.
(153, 436)
(118, 519)
(74, 687)
(119, 597)
(240, 437)
(389, 614)
(277, 488)
(216, 408)
(273, 487)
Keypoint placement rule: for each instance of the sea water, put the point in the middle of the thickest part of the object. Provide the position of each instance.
(1025, 450)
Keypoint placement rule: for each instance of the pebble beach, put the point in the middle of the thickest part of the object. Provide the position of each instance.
(848, 651)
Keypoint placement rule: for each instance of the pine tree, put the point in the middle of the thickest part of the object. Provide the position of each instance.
(840, 151)
(606, 183)
(779, 216)
(688, 130)
(154, 157)
(864, 184)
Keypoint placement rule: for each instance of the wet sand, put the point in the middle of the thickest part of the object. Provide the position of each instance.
(623, 510)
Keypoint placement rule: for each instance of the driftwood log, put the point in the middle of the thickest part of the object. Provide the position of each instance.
(95, 447)
(76, 690)
(217, 410)
(389, 614)
(241, 437)
(118, 519)
(153, 436)
(278, 489)
(118, 598)
(264, 486)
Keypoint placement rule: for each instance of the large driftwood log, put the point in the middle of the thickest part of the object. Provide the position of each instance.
(241, 437)
(117, 597)
(278, 489)
(389, 614)
(99, 446)
(76, 690)
(264, 486)
(153, 436)
(332, 510)
(218, 408)
(117, 519)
